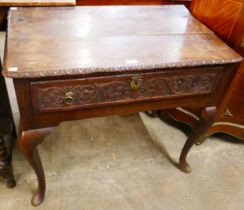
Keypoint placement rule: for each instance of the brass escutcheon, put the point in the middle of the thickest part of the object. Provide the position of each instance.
(227, 113)
(242, 43)
(69, 98)
(136, 82)
(242, 134)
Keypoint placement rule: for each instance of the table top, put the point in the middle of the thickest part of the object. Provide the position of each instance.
(37, 2)
(79, 40)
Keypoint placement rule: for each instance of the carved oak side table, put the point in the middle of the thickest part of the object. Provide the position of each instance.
(7, 135)
(70, 65)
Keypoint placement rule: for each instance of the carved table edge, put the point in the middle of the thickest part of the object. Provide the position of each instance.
(87, 70)
(37, 4)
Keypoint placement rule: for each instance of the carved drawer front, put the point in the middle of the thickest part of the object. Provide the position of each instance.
(60, 95)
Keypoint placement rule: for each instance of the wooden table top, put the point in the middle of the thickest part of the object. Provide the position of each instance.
(37, 2)
(80, 40)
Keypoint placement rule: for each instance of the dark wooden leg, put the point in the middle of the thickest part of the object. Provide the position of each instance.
(3, 16)
(9, 179)
(7, 130)
(207, 118)
(5, 164)
(28, 144)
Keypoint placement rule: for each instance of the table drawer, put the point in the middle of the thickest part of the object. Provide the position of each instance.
(71, 94)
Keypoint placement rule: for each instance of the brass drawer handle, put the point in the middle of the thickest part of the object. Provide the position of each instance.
(69, 98)
(136, 82)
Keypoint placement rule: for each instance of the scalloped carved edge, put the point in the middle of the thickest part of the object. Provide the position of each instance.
(38, 3)
(87, 70)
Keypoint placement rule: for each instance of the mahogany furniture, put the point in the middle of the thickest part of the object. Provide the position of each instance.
(7, 135)
(93, 70)
(226, 18)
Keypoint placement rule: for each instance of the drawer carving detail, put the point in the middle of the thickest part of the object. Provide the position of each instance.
(98, 93)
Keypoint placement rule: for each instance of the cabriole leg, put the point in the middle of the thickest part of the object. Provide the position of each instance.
(207, 118)
(28, 144)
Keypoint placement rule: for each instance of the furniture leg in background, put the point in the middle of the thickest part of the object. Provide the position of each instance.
(7, 135)
(6, 169)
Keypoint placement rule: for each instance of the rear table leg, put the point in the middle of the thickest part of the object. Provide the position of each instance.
(207, 118)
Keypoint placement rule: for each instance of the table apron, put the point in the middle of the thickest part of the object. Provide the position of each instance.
(73, 94)
(45, 102)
